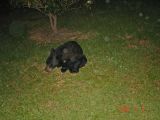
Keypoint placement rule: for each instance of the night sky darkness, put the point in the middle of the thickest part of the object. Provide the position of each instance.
(4, 7)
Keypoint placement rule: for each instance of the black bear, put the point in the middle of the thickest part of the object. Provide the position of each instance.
(68, 56)
(74, 66)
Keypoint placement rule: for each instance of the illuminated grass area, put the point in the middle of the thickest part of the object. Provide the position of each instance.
(121, 80)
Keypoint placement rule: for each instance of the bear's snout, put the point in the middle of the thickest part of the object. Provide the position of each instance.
(48, 69)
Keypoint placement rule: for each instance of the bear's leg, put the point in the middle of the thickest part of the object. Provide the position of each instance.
(83, 60)
(63, 70)
(65, 66)
(74, 68)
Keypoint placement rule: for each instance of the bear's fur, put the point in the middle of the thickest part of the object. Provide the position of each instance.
(68, 56)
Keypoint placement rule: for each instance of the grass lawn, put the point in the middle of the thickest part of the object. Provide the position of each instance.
(121, 80)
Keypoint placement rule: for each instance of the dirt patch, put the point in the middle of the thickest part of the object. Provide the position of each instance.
(158, 50)
(134, 42)
(140, 43)
(131, 46)
(144, 42)
(126, 37)
(157, 84)
(41, 35)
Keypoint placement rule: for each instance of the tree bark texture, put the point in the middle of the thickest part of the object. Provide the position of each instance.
(53, 22)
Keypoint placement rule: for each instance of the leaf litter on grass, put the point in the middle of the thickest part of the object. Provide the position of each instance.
(41, 35)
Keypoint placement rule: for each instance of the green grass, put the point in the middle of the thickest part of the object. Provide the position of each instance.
(123, 69)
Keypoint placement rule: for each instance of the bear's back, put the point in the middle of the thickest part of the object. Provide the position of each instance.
(69, 50)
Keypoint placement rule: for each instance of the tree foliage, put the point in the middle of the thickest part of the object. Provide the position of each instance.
(52, 8)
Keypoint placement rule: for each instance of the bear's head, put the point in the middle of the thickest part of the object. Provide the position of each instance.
(52, 61)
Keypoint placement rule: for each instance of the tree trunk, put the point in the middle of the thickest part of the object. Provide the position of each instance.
(53, 22)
